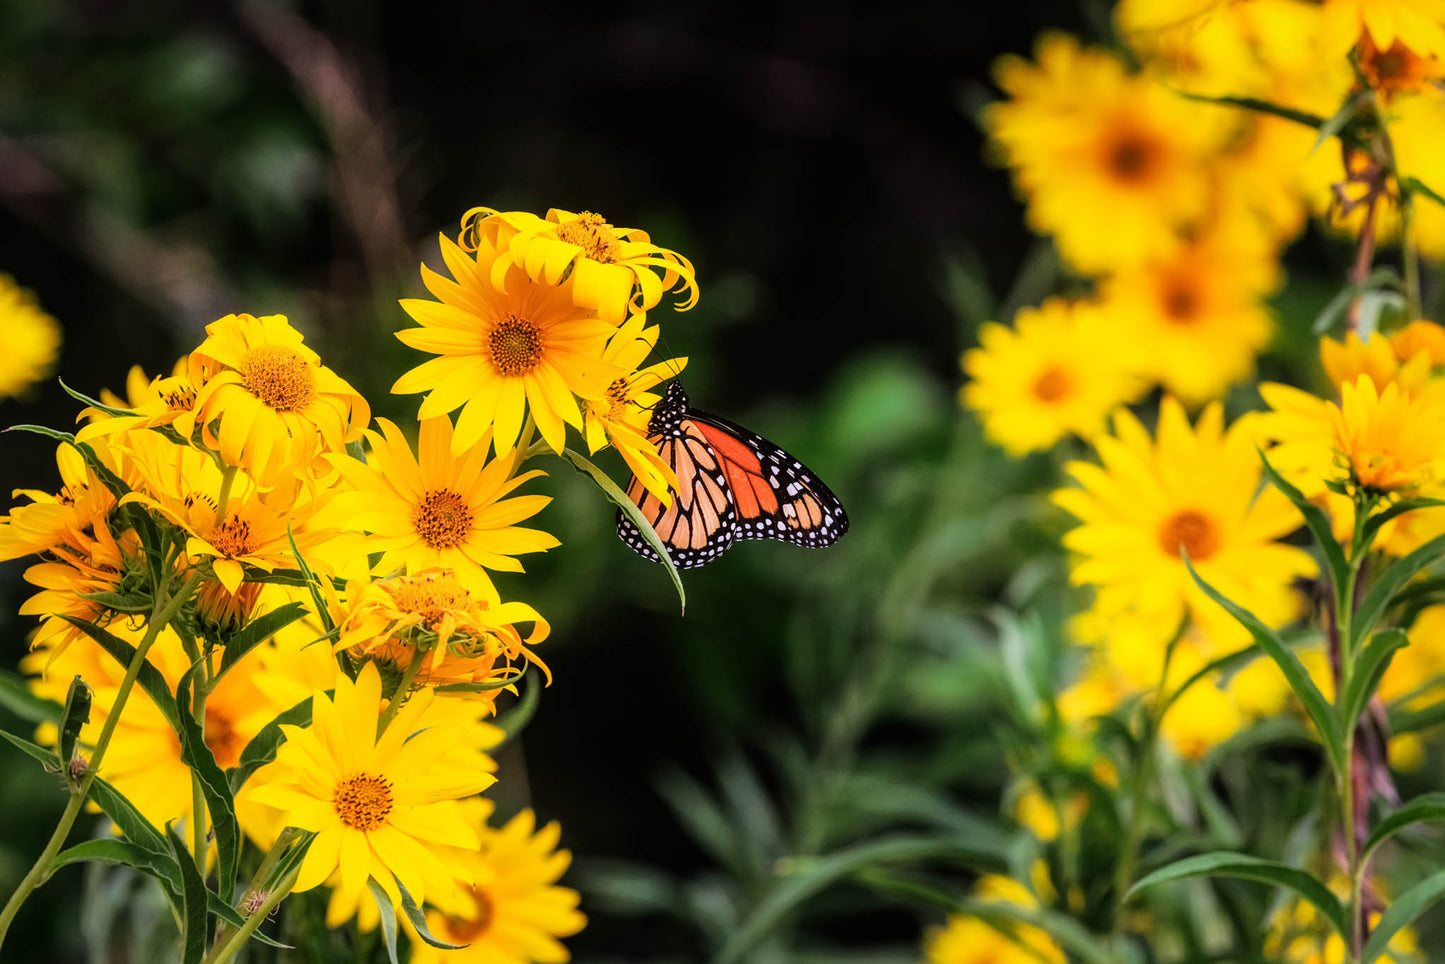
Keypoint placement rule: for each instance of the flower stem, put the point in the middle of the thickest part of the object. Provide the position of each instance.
(393, 705)
(163, 612)
(220, 953)
(199, 847)
(258, 880)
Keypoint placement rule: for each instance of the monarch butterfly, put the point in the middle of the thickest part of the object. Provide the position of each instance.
(732, 485)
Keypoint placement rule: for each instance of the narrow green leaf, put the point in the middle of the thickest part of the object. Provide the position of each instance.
(1315, 518)
(313, 584)
(279, 577)
(811, 875)
(194, 905)
(1427, 806)
(1319, 710)
(1413, 185)
(1375, 522)
(634, 515)
(1390, 582)
(1261, 107)
(131, 603)
(122, 853)
(95, 403)
(418, 920)
(262, 748)
(388, 918)
(74, 718)
(132, 823)
(149, 679)
(43, 430)
(1337, 123)
(1403, 720)
(1401, 912)
(118, 486)
(46, 757)
(214, 789)
(292, 858)
(1225, 864)
(1370, 666)
(15, 696)
(1224, 664)
(257, 631)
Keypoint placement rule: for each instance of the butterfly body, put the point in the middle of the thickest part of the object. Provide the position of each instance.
(733, 485)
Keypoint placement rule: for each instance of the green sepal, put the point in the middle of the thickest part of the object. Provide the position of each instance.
(262, 748)
(1244, 866)
(633, 513)
(1401, 912)
(214, 788)
(149, 678)
(1370, 665)
(195, 908)
(72, 720)
(1372, 607)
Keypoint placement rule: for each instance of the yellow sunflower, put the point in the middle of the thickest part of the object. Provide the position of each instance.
(1112, 164)
(621, 417)
(1419, 25)
(513, 912)
(507, 345)
(1388, 440)
(969, 940)
(1057, 371)
(265, 401)
(380, 804)
(1196, 489)
(29, 339)
(437, 510)
(614, 270)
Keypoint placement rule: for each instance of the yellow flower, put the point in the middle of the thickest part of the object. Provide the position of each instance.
(1195, 319)
(1418, 24)
(514, 911)
(1056, 372)
(1188, 489)
(166, 400)
(1111, 163)
(969, 940)
(621, 416)
(1397, 69)
(507, 345)
(1388, 440)
(439, 510)
(265, 401)
(613, 270)
(29, 339)
(380, 804)
(1299, 935)
(432, 616)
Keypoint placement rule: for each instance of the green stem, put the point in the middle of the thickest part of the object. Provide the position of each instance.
(220, 953)
(263, 873)
(162, 612)
(199, 846)
(1410, 257)
(393, 705)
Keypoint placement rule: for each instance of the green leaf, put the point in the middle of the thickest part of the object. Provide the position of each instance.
(130, 603)
(1319, 710)
(1225, 864)
(1402, 910)
(214, 788)
(262, 748)
(313, 584)
(1377, 279)
(73, 719)
(292, 858)
(634, 515)
(1403, 720)
(194, 905)
(1341, 117)
(257, 631)
(92, 402)
(418, 920)
(1390, 582)
(1427, 806)
(1224, 664)
(149, 679)
(1370, 664)
(279, 577)
(1315, 518)
(807, 876)
(1261, 107)
(123, 853)
(42, 430)
(1375, 522)
(388, 918)
(132, 823)
(15, 696)
(230, 915)
(496, 684)
(46, 757)
(1413, 185)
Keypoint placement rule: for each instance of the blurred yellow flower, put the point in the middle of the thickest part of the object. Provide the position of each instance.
(1111, 164)
(1195, 489)
(507, 345)
(513, 912)
(614, 270)
(1057, 371)
(1397, 69)
(29, 339)
(1388, 440)
(1418, 24)
(969, 940)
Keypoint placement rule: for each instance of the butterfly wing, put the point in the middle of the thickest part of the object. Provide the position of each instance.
(699, 526)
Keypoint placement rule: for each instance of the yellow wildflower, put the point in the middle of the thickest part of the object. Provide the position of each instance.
(29, 339)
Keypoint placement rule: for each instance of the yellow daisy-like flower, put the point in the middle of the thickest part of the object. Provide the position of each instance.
(165, 401)
(514, 912)
(432, 616)
(1196, 489)
(508, 345)
(621, 417)
(380, 804)
(29, 339)
(1057, 371)
(1387, 439)
(1112, 164)
(265, 401)
(1194, 320)
(1396, 70)
(969, 940)
(439, 510)
(1419, 25)
(614, 270)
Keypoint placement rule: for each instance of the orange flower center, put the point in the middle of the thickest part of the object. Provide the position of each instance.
(442, 519)
(465, 930)
(363, 802)
(1132, 158)
(1052, 384)
(1192, 530)
(593, 235)
(222, 739)
(430, 594)
(232, 538)
(1181, 304)
(516, 346)
(279, 376)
